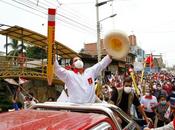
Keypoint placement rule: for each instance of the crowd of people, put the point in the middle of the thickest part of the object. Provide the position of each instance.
(151, 102)
(155, 93)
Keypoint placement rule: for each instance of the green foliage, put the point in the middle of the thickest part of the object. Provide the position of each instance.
(31, 51)
(15, 46)
(5, 97)
(35, 52)
(5, 105)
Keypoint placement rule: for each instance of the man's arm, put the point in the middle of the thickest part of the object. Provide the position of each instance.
(97, 68)
(143, 113)
(140, 108)
(60, 71)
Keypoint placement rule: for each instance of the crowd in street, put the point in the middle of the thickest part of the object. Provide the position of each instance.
(156, 91)
(150, 97)
(147, 96)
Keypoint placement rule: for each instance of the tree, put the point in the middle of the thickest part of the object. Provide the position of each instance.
(35, 52)
(15, 46)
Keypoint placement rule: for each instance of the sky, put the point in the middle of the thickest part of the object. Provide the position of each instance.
(152, 21)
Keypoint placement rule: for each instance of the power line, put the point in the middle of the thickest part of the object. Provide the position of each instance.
(158, 32)
(79, 3)
(84, 25)
(69, 11)
(3, 1)
(63, 21)
(68, 19)
(29, 7)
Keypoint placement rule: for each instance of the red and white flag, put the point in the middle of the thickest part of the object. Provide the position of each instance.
(22, 80)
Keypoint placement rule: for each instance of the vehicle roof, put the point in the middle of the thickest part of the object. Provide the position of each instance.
(98, 108)
(36, 119)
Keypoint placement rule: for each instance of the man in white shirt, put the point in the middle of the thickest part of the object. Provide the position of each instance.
(149, 101)
(80, 82)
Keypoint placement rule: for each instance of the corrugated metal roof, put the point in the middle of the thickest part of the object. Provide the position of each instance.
(34, 38)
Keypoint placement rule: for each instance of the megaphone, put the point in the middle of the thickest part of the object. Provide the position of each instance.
(116, 44)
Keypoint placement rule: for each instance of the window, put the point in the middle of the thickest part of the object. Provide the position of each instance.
(124, 121)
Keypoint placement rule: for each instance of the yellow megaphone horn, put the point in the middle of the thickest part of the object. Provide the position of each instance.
(116, 44)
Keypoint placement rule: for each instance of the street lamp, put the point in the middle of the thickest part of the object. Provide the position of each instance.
(113, 15)
(102, 3)
(98, 29)
(98, 35)
(98, 26)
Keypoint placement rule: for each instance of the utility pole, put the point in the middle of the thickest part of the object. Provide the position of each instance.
(98, 39)
(98, 32)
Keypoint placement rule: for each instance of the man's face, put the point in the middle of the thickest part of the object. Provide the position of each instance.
(162, 99)
(77, 63)
(127, 87)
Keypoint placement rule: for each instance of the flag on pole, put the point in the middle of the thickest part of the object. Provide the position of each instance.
(134, 81)
(149, 60)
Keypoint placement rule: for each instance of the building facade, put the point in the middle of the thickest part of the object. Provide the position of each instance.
(158, 64)
(89, 56)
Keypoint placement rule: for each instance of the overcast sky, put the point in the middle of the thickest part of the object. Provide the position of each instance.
(152, 21)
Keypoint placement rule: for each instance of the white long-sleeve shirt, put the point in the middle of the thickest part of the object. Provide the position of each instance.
(81, 86)
(148, 103)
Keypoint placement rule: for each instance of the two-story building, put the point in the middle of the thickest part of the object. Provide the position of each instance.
(158, 64)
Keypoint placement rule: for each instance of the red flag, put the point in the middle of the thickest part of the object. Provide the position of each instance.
(149, 60)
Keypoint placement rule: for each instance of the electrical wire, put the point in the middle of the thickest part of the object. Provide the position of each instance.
(3, 1)
(67, 22)
(66, 13)
(70, 12)
(67, 18)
